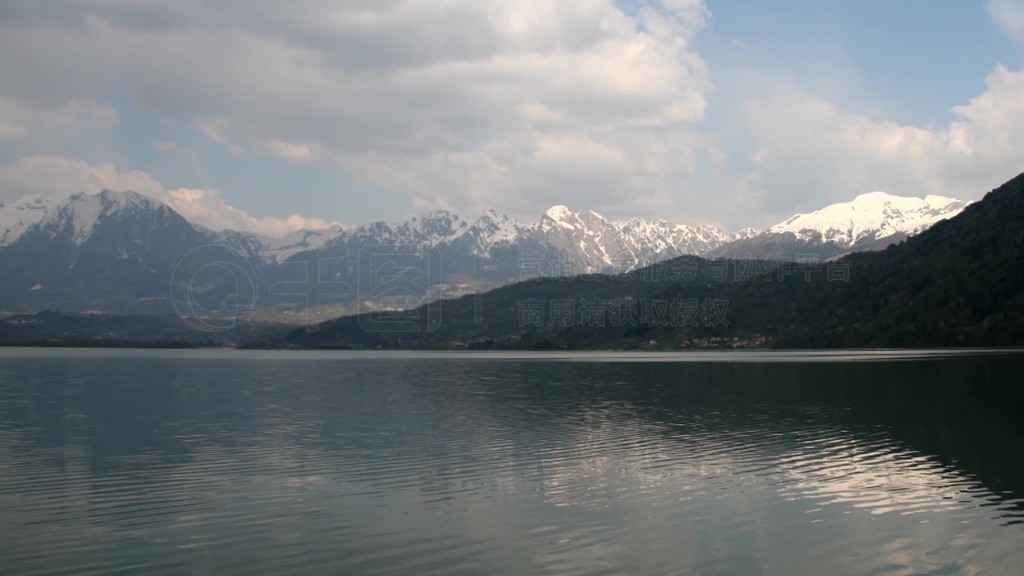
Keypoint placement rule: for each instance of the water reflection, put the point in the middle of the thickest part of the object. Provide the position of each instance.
(223, 465)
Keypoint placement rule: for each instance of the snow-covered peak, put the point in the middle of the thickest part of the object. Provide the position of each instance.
(113, 201)
(561, 217)
(492, 229)
(559, 212)
(747, 233)
(492, 218)
(876, 196)
(942, 202)
(655, 239)
(874, 215)
(77, 214)
(19, 215)
(643, 227)
(432, 228)
(82, 211)
(436, 215)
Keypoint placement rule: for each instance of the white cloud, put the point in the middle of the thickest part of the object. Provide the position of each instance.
(470, 104)
(810, 152)
(401, 86)
(289, 150)
(208, 208)
(43, 124)
(1009, 14)
(59, 177)
(215, 129)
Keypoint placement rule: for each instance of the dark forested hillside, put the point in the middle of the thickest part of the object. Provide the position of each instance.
(959, 283)
(526, 314)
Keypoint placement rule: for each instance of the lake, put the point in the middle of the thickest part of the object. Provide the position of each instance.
(243, 462)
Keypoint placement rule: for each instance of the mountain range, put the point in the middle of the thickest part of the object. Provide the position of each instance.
(124, 252)
(958, 283)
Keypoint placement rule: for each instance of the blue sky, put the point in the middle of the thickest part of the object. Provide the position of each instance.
(272, 116)
(912, 59)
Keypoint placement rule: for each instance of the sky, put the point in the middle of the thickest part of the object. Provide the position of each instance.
(271, 116)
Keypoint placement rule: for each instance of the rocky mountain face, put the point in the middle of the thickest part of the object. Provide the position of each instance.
(124, 252)
(597, 244)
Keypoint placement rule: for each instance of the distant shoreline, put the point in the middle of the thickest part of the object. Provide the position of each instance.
(101, 344)
(895, 352)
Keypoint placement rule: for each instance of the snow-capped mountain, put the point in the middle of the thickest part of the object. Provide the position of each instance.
(870, 221)
(589, 241)
(111, 250)
(432, 229)
(592, 243)
(656, 239)
(123, 251)
(871, 216)
(77, 218)
(492, 230)
(586, 240)
(745, 233)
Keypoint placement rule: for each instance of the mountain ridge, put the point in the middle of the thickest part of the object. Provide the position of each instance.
(616, 244)
(50, 259)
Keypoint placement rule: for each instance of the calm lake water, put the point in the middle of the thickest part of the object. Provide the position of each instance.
(230, 462)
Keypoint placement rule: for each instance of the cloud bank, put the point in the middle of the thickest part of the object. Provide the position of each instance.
(468, 105)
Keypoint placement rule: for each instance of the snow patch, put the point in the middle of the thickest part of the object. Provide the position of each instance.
(280, 249)
(18, 216)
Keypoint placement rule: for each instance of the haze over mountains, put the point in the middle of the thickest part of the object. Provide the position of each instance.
(121, 251)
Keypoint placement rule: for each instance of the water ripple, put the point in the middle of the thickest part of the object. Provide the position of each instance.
(168, 466)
